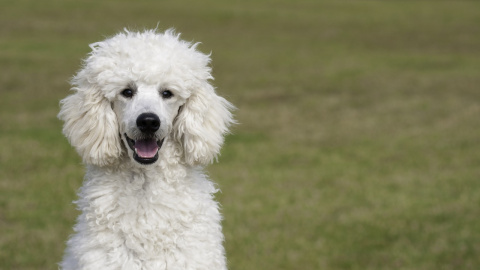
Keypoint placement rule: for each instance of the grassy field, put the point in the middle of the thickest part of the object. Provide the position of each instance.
(359, 138)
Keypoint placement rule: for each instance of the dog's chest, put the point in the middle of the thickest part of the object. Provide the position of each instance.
(147, 218)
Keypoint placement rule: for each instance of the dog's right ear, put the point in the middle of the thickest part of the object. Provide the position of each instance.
(91, 126)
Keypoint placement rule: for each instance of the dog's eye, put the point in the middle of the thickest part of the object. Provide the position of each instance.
(167, 94)
(128, 93)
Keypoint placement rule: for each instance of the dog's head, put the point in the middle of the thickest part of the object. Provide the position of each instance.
(145, 89)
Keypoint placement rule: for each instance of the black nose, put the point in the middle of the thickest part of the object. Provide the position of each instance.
(148, 122)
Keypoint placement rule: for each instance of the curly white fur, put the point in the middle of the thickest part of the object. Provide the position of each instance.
(148, 212)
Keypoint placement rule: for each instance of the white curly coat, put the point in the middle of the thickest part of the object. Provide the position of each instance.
(156, 212)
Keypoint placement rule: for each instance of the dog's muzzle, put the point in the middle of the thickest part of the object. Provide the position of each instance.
(145, 149)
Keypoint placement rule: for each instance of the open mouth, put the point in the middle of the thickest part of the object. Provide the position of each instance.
(145, 151)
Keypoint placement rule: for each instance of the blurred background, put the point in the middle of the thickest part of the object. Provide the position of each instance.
(358, 138)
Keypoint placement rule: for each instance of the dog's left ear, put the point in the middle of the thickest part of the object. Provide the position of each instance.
(201, 125)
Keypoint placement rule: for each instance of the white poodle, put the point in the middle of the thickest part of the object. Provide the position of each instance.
(145, 120)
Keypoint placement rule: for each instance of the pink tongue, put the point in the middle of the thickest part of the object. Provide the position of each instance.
(146, 148)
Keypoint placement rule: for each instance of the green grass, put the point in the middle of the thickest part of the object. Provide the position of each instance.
(358, 143)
